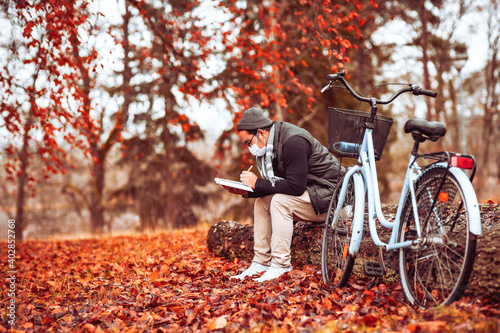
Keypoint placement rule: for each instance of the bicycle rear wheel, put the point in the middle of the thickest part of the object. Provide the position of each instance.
(436, 272)
(336, 262)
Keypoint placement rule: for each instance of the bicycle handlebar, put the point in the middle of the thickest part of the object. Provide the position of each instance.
(417, 90)
(414, 88)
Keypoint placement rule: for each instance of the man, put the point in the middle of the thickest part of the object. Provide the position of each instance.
(298, 178)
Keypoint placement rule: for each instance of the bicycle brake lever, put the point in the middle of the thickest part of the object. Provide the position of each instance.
(325, 88)
(332, 78)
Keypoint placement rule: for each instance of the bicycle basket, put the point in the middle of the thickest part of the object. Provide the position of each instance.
(346, 126)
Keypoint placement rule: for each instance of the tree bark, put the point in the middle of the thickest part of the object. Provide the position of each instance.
(21, 186)
(97, 221)
(424, 44)
(21, 224)
(230, 239)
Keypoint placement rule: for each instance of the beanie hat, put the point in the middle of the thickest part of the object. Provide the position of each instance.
(253, 119)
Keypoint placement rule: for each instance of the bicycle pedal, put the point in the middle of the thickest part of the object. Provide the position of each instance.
(373, 268)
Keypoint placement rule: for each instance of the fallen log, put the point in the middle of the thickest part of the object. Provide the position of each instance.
(230, 239)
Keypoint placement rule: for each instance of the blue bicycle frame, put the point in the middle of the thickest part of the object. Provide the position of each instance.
(365, 180)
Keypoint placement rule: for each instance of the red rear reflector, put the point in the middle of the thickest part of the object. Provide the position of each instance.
(443, 197)
(462, 162)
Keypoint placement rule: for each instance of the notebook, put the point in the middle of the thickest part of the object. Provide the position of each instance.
(234, 184)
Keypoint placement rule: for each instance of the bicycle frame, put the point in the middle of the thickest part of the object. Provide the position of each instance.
(365, 179)
(435, 229)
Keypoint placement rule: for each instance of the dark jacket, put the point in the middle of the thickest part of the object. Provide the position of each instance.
(322, 167)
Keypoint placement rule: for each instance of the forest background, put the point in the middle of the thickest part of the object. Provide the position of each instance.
(116, 116)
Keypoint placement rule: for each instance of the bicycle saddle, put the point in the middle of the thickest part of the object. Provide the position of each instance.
(432, 130)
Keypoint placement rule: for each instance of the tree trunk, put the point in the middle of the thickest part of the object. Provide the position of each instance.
(453, 123)
(424, 44)
(23, 156)
(485, 279)
(230, 239)
(21, 182)
(97, 220)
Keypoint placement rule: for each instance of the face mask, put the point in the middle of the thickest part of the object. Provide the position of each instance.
(256, 151)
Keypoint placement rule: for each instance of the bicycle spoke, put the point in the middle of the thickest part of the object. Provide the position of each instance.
(336, 264)
(436, 271)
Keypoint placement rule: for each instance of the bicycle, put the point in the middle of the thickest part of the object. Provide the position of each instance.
(437, 222)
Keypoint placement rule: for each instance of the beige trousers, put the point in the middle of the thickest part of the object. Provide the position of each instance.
(273, 226)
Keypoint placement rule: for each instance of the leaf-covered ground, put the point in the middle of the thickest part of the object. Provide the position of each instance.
(170, 282)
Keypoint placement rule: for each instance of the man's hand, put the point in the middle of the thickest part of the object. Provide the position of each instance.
(248, 178)
(235, 190)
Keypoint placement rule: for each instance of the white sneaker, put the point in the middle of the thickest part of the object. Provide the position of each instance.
(255, 268)
(273, 273)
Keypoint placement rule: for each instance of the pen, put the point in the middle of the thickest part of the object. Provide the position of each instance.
(251, 166)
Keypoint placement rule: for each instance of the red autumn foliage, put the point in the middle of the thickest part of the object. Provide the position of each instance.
(278, 51)
(278, 42)
(45, 96)
(171, 283)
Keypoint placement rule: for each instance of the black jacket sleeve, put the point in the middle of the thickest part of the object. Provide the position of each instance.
(295, 154)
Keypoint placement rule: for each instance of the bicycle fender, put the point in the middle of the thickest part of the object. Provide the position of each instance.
(470, 198)
(359, 214)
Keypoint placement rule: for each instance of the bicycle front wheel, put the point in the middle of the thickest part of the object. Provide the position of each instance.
(436, 271)
(336, 262)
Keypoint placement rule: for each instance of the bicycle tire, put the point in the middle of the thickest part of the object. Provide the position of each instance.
(436, 272)
(336, 262)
